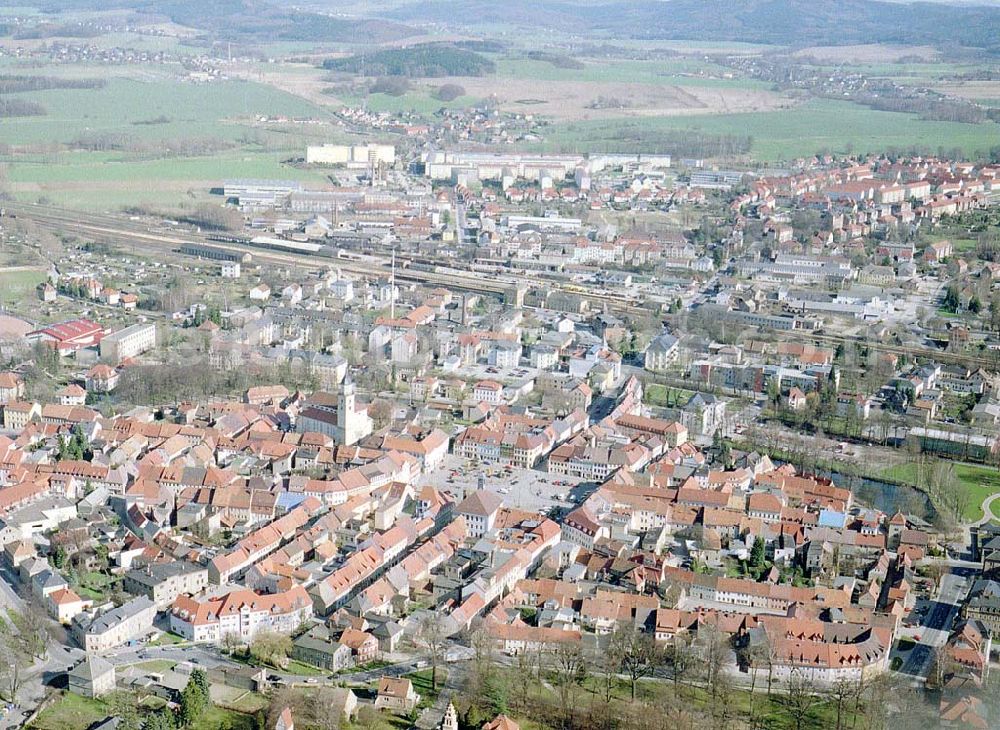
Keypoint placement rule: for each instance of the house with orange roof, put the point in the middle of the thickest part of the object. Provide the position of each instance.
(363, 646)
(102, 378)
(242, 613)
(396, 695)
(501, 722)
(11, 387)
(72, 395)
(63, 604)
(17, 414)
(428, 447)
(518, 638)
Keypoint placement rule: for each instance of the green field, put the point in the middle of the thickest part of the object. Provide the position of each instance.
(107, 180)
(143, 118)
(976, 482)
(180, 110)
(71, 712)
(816, 126)
(16, 286)
(674, 72)
(103, 167)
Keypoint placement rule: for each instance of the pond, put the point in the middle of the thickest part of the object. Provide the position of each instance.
(887, 497)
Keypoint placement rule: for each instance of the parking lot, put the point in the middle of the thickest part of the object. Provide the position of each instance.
(481, 371)
(526, 489)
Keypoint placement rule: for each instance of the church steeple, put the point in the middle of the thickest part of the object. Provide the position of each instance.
(450, 720)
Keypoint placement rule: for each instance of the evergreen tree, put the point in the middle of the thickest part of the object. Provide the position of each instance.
(757, 554)
(200, 680)
(162, 720)
(193, 702)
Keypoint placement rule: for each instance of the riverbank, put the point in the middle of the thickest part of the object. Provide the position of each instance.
(873, 488)
(907, 487)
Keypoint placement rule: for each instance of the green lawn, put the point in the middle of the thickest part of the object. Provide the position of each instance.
(94, 585)
(167, 638)
(157, 665)
(16, 286)
(70, 712)
(977, 482)
(422, 684)
(819, 125)
(251, 702)
(664, 395)
(216, 718)
(304, 670)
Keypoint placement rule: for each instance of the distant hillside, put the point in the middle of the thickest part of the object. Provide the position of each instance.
(248, 20)
(780, 22)
(431, 59)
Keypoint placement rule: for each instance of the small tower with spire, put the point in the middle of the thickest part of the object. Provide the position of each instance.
(450, 720)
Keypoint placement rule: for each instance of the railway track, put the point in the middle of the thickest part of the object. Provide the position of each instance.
(136, 234)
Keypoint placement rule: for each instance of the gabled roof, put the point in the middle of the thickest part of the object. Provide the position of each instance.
(481, 503)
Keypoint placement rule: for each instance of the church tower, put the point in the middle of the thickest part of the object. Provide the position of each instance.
(450, 720)
(353, 423)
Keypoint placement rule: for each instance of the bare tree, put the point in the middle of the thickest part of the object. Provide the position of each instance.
(321, 703)
(269, 647)
(289, 697)
(681, 659)
(11, 678)
(484, 648)
(369, 718)
(713, 646)
(636, 653)
(801, 697)
(431, 634)
(231, 642)
(24, 634)
(754, 656)
(609, 664)
(839, 695)
(567, 665)
(484, 661)
(526, 672)
(939, 669)
(876, 692)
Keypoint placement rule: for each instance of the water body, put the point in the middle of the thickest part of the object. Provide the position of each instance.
(887, 497)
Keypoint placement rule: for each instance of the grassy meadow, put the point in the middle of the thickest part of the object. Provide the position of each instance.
(138, 122)
(815, 126)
